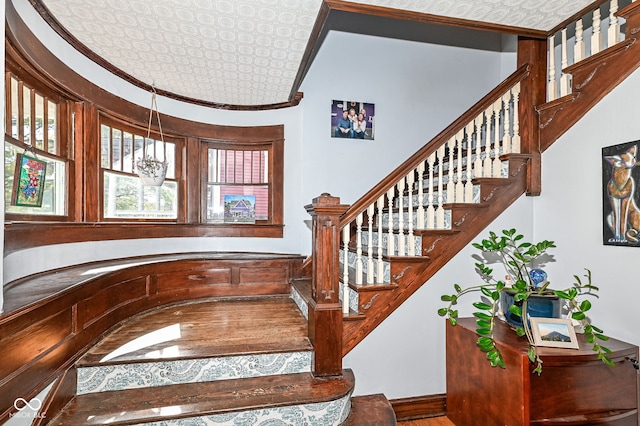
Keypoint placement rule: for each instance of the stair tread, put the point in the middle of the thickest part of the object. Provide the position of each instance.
(209, 328)
(371, 410)
(197, 399)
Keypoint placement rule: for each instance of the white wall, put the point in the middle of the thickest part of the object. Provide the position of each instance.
(416, 91)
(570, 210)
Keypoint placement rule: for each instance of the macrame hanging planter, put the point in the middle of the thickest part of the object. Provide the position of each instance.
(152, 170)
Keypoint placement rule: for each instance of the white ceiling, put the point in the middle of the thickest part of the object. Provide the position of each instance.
(245, 52)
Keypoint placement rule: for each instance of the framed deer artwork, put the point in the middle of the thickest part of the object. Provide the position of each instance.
(621, 195)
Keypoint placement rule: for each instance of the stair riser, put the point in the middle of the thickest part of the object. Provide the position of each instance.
(317, 414)
(426, 200)
(417, 243)
(352, 260)
(140, 375)
(395, 218)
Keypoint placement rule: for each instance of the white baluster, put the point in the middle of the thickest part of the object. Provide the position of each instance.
(390, 247)
(565, 79)
(451, 182)
(596, 36)
(552, 88)
(420, 211)
(401, 241)
(440, 209)
(431, 219)
(345, 269)
(370, 211)
(506, 135)
(380, 271)
(579, 47)
(477, 163)
(613, 35)
(497, 164)
(468, 184)
(359, 268)
(411, 248)
(515, 140)
(486, 124)
(459, 186)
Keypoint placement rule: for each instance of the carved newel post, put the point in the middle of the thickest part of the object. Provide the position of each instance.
(325, 312)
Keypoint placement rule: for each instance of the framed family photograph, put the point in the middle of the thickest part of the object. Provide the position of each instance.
(554, 333)
(621, 195)
(352, 120)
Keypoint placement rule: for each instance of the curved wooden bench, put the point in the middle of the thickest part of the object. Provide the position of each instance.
(51, 318)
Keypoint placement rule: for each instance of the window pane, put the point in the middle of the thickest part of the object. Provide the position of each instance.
(126, 198)
(39, 122)
(216, 200)
(116, 159)
(52, 118)
(26, 96)
(127, 165)
(53, 198)
(14, 108)
(105, 152)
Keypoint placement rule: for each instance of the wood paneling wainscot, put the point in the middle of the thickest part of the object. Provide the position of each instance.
(52, 318)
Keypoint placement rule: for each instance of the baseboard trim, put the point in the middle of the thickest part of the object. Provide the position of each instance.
(420, 407)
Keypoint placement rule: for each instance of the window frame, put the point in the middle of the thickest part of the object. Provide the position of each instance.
(62, 152)
(275, 181)
(137, 130)
(80, 104)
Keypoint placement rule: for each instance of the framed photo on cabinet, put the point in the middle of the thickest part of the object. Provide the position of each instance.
(554, 333)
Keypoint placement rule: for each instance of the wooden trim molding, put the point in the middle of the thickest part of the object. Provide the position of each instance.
(407, 15)
(420, 407)
(24, 235)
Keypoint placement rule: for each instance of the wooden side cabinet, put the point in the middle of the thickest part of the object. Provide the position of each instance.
(575, 388)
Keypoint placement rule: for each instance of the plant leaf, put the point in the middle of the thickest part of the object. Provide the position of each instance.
(585, 305)
(482, 315)
(482, 306)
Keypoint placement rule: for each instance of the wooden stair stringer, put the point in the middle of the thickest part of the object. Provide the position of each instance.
(410, 276)
(593, 78)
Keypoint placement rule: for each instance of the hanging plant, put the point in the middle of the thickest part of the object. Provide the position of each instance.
(152, 170)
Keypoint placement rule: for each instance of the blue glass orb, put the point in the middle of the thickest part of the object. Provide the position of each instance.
(538, 276)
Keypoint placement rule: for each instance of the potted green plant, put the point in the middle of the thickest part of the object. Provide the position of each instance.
(151, 171)
(520, 286)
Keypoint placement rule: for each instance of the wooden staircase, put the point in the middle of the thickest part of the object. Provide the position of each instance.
(372, 278)
(355, 278)
(215, 361)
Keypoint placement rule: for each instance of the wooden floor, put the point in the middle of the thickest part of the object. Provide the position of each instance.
(206, 328)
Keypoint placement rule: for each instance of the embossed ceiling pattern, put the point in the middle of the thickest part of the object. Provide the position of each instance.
(245, 52)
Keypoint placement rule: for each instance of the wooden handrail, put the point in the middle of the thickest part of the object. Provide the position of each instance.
(579, 14)
(412, 162)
